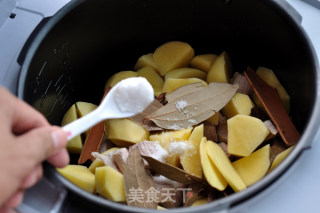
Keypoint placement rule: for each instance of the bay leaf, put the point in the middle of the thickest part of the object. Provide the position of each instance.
(171, 172)
(192, 105)
(137, 181)
(148, 124)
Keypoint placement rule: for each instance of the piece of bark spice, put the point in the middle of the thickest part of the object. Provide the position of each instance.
(136, 178)
(270, 100)
(210, 131)
(93, 140)
(222, 129)
(162, 98)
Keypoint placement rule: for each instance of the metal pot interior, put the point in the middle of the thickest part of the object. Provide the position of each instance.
(78, 50)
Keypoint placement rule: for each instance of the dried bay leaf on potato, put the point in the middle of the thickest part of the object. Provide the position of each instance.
(194, 107)
(136, 177)
(172, 172)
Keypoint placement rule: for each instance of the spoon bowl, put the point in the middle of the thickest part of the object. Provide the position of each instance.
(126, 99)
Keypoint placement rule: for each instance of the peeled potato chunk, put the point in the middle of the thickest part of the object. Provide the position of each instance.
(80, 176)
(203, 62)
(168, 137)
(270, 78)
(186, 73)
(98, 163)
(245, 134)
(220, 69)
(74, 145)
(85, 108)
(116, 78)
(172, 55)
(200, 202)
(280, 157)
(110, 184)
(124, 132)
(145, 61)
(253, 167)
(210, 171)
(172, 84)
(190, 160)
(153, 77)
(222, 162)
(239, 104)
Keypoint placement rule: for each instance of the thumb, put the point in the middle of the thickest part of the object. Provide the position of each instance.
(40, 143)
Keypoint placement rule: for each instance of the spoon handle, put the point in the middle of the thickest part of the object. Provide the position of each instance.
(82, 124)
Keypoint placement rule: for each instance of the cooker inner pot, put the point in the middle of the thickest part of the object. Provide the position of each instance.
(100, 38)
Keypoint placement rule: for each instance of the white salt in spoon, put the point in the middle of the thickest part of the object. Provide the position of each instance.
(126, 99)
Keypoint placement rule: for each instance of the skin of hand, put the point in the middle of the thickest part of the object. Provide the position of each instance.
(26, 140)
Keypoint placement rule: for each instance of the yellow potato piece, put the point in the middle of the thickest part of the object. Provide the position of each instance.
(172, 55)
(280, 157)
(124, 132)
(98, 163)
(145, 61)
(270, 78)
(214, 119)
(119, 76)
(210, 171)
(153, 77)
(186, 72)
(85, 108)
(74, 145)
(245, 134)
(203, 62)
(190, 160)
(161, 208)
(253, 167)
(80, 176)
(200, 202)
(110, 183)
(165, 138)
(222, 162)
(220, 69)
(239, 104)
(172, 84)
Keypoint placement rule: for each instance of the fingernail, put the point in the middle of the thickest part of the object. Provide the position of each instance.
(59, 138)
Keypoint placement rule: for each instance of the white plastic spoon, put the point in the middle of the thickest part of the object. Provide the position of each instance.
(126, 99)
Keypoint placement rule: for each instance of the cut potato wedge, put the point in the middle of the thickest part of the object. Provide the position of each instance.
(145, 61)
(210, 171)
(85, 108)
(253, 167)
(124, 132)
(153, 77)
(172, 84)
(80, 176)
(119, 76)
(110, 184)
(74, 145)
(220, 69)
(271, 79)
(172, 55)
(245, 134)
(222, 162)
(200, 202)
(203, 62)
(186, 73)
(190, 160)
(239, 104)
(280, 157)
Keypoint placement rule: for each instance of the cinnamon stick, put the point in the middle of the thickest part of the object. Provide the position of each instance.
(270, 100)
(93, 140)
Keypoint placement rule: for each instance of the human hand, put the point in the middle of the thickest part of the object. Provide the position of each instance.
(26, 140)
